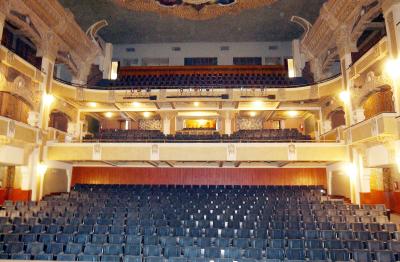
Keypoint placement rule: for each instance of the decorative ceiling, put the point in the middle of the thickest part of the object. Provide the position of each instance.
(194, 9)
(234, 21)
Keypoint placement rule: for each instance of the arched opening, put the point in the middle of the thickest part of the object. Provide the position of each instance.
(338, 118)
(59, 121)
(20, 44)
(379, 102)
(14, 107)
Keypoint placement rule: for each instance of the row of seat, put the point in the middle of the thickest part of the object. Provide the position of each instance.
(115, 223)
(206, 80)
(266, 135)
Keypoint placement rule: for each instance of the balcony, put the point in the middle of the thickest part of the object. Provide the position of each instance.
(194, 152)
(14, 132)
(381, 128)
(12, 60)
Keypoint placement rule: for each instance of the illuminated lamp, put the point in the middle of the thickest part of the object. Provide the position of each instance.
(108, 114)
(48, 99)
(344, 96)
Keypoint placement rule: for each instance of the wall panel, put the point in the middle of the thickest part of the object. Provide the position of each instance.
(199, 176)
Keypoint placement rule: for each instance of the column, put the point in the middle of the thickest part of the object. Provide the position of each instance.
(316, 69)
(391, 11)
(167, 117)
(4, 10)
(345, 48)
(358, 115)
(48, 51)
(327, 126)
(2, 23)
(356, 175)
(329, 181)
(227, 117)
(298, 58)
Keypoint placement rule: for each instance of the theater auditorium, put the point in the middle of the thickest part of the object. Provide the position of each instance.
(200, 130)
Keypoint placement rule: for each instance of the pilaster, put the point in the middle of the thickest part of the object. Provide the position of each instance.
(391, 11)
(4, 10)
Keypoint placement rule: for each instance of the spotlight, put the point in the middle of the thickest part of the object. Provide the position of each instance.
(108, 114)
(257, 103)
(253, 114)
(392, 68)
(344, 96)
(146, 114)
(135, 104)
(41, 169)
(196, 104)
(293, 113)
(48, 99)
(92, 104)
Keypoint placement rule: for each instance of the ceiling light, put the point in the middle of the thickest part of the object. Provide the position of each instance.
(108, 114)
(196, 104)
(135, 104)
(344, 96)
(92, 104)
(293, 113)
(48, 99)
(146, 114)
(252, 114)
(392, 67)
(257, 104)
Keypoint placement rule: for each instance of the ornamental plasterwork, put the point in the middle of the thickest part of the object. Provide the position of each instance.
(335, 14)
(190, 9)
(52, 28)
(22, 87)
(371, 84)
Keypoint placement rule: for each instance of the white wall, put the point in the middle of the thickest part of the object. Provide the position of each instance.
(244, 49)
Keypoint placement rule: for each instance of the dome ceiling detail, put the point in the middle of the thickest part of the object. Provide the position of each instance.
(239, 21)
(193, 9)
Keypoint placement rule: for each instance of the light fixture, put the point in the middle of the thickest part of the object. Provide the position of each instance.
(293, 113)
(48, 99)
(92, 104)
(196, 104)
(344, 96)
(135, 104)
(392, 68)
(126, 124)
(252, 114)
(350, 170)
(41, 169)
(108, 114)
(257, 103)
(146, 114)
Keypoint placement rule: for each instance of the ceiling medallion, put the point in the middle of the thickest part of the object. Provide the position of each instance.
(193, 9)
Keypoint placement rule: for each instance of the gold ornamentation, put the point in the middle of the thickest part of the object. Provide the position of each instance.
(188, 12)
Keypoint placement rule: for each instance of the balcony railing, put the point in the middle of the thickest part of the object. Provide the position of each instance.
(376, 129)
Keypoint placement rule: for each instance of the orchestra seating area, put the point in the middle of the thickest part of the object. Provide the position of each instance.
(263, 135)
(196, 223)
(205, 80)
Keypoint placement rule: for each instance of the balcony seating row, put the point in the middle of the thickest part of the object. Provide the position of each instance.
(203, 80)
(264, 135)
